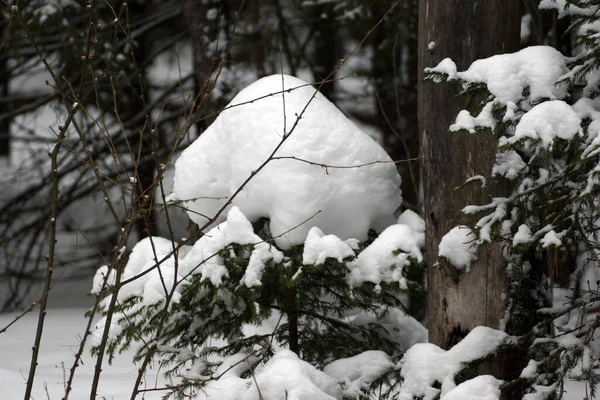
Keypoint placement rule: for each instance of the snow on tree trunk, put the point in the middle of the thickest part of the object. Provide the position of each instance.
(464, 31)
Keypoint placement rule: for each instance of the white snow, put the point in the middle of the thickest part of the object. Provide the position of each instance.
(286, 373)
(543, 392)
(446, 66)
(547, 121)
(564, 8)
(102, 275)
(203, 258)
(414, 221)
(293, 194)
(523, 235)
(63, 330)
(464, 119)
(590, 108)
(400, 328)
(229, 384)
(530, 370)
(378, 262)
(508, 164)
(145, 256)
(61, 336)
(510, 114)
(425, 363)
(459, 246)
(552, 238)
(356, 373)
(507, 75)
(319, 247)
(482, 387)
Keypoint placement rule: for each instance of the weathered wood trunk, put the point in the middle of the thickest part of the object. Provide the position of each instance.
(464, 30)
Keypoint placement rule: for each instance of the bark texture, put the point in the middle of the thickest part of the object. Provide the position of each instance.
(464, 30)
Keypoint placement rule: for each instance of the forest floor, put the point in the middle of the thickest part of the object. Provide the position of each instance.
(63, 330)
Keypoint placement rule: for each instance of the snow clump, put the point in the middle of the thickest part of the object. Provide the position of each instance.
(358, 372)
(482, 387)
(459, 247)
(397, 326)
(318, 247)
(284, 376)
(385, 258)
(548, 120)
(153, 257)
(204, 256)
(506, 76)
(301, 187)
(425, 364)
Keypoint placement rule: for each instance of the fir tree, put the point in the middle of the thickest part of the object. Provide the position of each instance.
(543, 107)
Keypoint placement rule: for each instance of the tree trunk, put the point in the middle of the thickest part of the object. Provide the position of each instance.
(326, 55)
(292, 315)
(4, 82)
(464, 30)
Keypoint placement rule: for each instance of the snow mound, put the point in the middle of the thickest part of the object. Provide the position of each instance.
(483, 387)
(425, 363)
(286, 376)
(356, 373)
(294, 194)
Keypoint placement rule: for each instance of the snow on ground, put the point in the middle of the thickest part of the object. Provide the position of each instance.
(65, 326)
(60, 342)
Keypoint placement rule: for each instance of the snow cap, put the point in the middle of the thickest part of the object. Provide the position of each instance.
(303, 185)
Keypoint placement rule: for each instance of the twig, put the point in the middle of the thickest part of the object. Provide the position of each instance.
(323, 165)
(51, 252)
